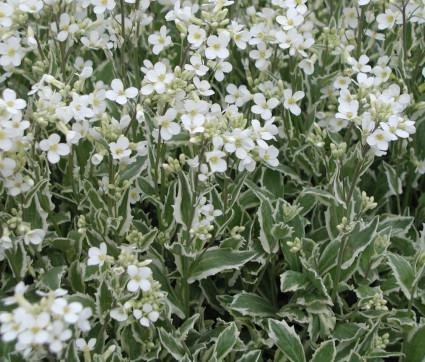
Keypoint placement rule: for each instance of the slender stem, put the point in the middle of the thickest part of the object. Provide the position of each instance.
(123, 41)
(355, 178)
(360, 32)
(403, 12)
(260, 277)
(338, 268)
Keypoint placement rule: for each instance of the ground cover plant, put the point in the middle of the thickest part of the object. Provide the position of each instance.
(212, 180)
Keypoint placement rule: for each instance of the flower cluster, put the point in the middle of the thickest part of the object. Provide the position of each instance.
(144, 300)
(45, 323)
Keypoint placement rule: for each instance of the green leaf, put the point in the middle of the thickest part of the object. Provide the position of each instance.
(71, 354)
(17, 261)
(39, 186)
(403, 272)
(359, 239)
(171, 344)
(75, 277)
(183, 202)
(286, 340)
(292, 281)
(235, 188)
(325, 352)
(252, 305)
(52, 279)
(322, 196)
(265, 218)
(225, 342)
(216, 260)
(251, 356)
(187, 326)
(415, 348)
(147, 240)
(346, 331)
(395, 187)
(104, 299)
(261, 193)
(134, 169)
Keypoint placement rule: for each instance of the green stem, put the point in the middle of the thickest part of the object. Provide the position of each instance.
(123, 41)
(338, 268)
(355, 178)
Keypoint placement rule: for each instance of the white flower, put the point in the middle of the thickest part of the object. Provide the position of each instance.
(262, 134)
(269, 155)
(307, 65)
(348, 110)
(379, 139)
(97, 256)
(82, 322)
(59, 334)
(138, 278)
(221, 68)
(96, 159)
(196, 65)
(291, 99)
(239, 141)
(217, 46)
(100, 6)
(65, 28)
(119, 94)
(54, 149)
(159, 41)
(31, 6)
(69, 312)
(11, 52)
(16, 184)
(7, 166)
(196, 35)
(382, 74)
(146, 314)
(35, 329)
(260, 56)
(238, 96)
(35, 236)
(291, 20)
(10, 102)
(169, 128)
(119, 149)
(263, 107)
(6, 11)
(215, 160)
(342, 82)
(82, 345)
(120, 313)
(158, 79)
(386, 20)
(203, 87)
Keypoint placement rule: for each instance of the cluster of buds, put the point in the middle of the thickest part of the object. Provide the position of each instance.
(338, 151)
(345, 226)
(295, 245)
(381, 242)
(377, 303)
(382, 341)
(290, 211)
(174, 165)
(368, 203)
(235, 232)
(134, 237)
(317, 139)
